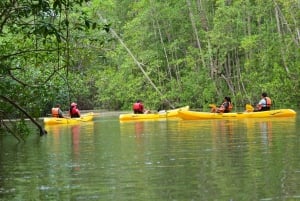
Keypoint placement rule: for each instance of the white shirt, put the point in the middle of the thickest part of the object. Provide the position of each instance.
(263, 102)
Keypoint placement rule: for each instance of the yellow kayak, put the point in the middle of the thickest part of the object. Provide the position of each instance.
(194, 115)
(84, 118)
(153, 116)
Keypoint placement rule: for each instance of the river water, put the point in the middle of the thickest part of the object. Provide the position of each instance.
(176, 160)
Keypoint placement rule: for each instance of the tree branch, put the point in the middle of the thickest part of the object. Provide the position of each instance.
(42, 131)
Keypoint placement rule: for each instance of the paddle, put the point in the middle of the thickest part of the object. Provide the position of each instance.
(249, 108)
(212, 105)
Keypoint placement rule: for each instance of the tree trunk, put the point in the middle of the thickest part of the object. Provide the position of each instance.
(195, 30)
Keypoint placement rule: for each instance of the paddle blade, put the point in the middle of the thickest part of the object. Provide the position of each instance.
(212, 105)
(249, 108)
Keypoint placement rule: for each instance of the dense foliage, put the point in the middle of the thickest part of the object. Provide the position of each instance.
(197, 52)
(106, 54)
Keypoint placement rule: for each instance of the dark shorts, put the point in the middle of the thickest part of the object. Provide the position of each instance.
(137, 112)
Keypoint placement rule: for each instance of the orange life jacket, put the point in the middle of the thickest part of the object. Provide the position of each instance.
(55, 112)
(230, 106)
(268, 102)
(266, 106)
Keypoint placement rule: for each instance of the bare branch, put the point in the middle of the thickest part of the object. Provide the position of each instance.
(6, 99)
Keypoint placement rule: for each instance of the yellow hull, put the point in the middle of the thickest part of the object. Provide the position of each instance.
(84, 118)
(193, 115)
(156, 116)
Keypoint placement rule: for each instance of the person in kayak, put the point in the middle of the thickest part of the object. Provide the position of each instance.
(74, 111)
(225, 107)
(264, 104)
(138, 107)
(56, 111)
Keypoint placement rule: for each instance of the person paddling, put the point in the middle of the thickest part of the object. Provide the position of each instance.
(138, 107)
(56, 111)
(225, 107)
(74, 111)
(264, 104)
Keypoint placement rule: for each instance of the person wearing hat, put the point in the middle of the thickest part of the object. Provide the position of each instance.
(74, 111)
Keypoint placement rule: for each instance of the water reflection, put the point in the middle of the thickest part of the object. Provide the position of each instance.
(236, 133)
(266, 129)
(135, 128)
(249, 159)
(75, 145)
(62, 134)
(139, 129)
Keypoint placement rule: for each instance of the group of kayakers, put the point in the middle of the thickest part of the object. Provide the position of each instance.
(73, 111)
(138, 107)
(263, 105)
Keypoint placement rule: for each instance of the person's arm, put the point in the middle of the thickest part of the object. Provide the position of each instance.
(222, 108)
(260, 104)
(60, 113)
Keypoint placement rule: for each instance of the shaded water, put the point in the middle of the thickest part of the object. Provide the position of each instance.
(248, 159)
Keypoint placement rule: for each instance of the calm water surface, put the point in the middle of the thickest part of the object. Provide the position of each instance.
(249, 159)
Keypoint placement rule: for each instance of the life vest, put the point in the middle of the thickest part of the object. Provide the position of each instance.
(230, 106)
(265, 106)
(138, 107)
(55, 112)
(74, 112)
(268, 102)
